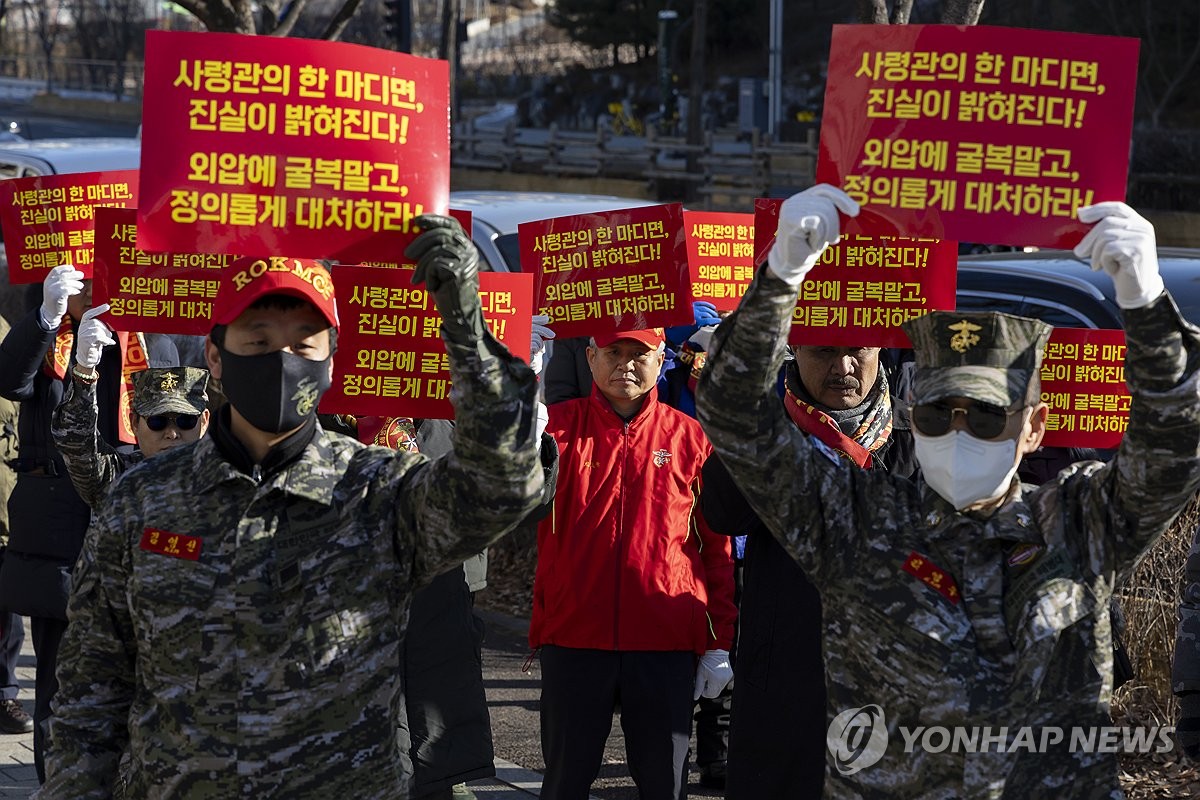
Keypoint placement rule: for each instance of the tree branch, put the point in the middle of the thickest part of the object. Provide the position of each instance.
(288, 21)
(197, 10)
(873, 12)
(961, 12)
(337, 24)
(901, 12)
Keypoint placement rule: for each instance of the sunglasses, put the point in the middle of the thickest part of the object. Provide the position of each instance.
(159, 422)
(984, 420)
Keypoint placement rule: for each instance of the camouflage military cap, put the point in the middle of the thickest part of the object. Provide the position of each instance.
(172, 390)
(983, 355)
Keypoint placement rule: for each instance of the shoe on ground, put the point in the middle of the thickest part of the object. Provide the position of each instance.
(13, 718)
(712, 776)
(460, 792)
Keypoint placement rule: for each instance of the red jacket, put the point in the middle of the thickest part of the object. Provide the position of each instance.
(624, 560)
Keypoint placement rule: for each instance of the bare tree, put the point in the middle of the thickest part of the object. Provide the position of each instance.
(273, 17)
(42, 17)
(953, 12)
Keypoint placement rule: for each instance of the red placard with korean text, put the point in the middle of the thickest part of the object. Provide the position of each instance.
(391, 361)
(610, 271)
(865, 287)
(400, 262)
(151, 292)
(980, 134)
(1083, 382)
(49, 220)
(262, 145)
(720, 255)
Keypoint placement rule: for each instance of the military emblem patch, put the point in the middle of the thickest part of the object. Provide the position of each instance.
(661, 457)
(175, 545)
(1024, 554)
(964, 337)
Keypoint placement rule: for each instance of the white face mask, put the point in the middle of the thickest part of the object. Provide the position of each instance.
(964, 469)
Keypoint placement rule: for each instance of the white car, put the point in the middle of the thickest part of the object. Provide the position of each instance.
(496, 215)
(57, 156)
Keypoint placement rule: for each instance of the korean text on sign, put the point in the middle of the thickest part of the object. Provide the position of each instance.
(978, 134)
(263, 146)
(391, 359)
(615, 270)
(720, 256)
(1083, 382)
(152, 292)
(864, 287)
(50, 219)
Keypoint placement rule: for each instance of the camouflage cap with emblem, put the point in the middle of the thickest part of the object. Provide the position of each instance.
(983, 355)
(170, 390)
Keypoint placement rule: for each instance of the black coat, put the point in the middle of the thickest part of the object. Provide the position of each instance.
(778, 719)
(47, 518)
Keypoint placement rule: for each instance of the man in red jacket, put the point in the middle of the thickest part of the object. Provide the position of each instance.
(633, 598)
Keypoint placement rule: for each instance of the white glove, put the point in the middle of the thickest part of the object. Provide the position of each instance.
(91, 338)
(61, 282)
(1122, 244)
(808, 223)
(713, 673)
(537, 341)
(543, 418)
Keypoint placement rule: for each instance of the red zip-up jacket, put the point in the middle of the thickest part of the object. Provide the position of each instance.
(624, 560)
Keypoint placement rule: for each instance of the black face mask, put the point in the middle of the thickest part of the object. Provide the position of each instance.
(274, 392)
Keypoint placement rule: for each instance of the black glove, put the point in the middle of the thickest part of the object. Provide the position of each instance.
(448, 264)
(1188, 729)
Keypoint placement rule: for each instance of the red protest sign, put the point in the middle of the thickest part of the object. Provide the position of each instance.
(49, 220)
(865, 287)
(391, 361)
(980, 134)
(720, 256)
(400, 262)
(151, 292)
(610, 271)
(260, 145)
(1083, 382)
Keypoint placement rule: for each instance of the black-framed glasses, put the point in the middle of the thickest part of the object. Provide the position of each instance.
(984, 420)
(159, 422)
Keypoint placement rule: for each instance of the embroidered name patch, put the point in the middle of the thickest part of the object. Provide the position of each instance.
(931, 575)
(175, 545)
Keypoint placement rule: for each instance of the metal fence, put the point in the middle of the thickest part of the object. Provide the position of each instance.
(113, 79)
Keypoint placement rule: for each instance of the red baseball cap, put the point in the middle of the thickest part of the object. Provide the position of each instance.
(248, 279)
(651, 337)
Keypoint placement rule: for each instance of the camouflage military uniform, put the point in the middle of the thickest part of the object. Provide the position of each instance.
(943, 618)
(255, 655)
(91, 462)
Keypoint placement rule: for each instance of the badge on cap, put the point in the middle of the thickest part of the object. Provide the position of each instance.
(168, 382)
(964, 337)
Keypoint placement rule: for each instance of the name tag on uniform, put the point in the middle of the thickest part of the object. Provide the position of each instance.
(176, 545)
(932, 576)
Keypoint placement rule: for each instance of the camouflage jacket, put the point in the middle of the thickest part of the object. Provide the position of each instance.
(92, 463)
(944, 619)
(238, 635)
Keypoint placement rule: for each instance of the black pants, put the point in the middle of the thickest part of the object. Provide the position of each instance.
(580, 691)
(47, 635)
(12, 634)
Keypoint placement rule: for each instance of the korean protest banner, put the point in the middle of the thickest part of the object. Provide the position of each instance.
(865, 287)
(398, 259)
(261, 145)
(391, 361)
(1083, 382)
(151, 292)
(610, 271)
(720, 256)
(50, 219)
(980, 134)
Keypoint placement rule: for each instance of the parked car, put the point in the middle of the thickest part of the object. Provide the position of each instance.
(496, 215)
(56, 156)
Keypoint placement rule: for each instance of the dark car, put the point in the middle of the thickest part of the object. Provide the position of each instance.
(1056, 287)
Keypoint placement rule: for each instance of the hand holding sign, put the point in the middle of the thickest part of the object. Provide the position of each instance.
(448, 264)
(94, 336)
(62, 282)
(1122, 244)
(808, 223)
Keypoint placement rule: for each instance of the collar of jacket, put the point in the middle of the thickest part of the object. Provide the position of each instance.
(312, 474)
(1012, 522)
(609, 415)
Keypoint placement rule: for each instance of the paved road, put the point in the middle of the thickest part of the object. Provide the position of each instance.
(512, 698)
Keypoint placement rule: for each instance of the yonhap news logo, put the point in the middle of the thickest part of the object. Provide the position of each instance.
(857, 738)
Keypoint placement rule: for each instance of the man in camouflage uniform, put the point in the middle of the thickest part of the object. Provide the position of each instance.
(169, 409)
(965, 600)
(239, 606)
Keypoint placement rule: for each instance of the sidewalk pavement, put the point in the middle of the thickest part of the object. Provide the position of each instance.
(18, 778)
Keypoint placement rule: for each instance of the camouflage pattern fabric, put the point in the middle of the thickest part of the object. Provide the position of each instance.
(170, 390)
(9, 448)
(91, 462)
(239, 637)
(948, 619)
